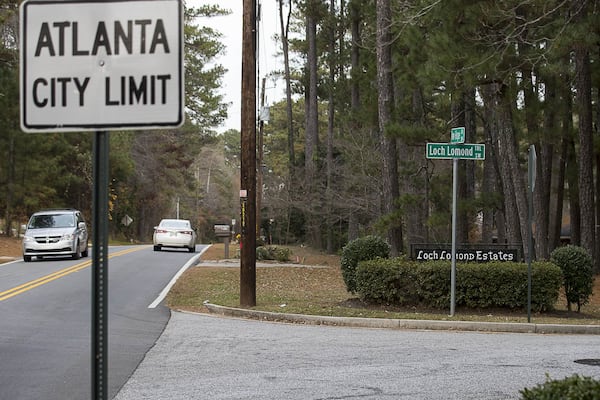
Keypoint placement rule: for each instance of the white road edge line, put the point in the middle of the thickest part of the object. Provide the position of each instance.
(164, 292)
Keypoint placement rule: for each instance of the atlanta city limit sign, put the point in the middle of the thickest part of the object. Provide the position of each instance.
(101, 65)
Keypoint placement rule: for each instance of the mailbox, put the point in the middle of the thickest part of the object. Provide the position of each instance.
(222, 230)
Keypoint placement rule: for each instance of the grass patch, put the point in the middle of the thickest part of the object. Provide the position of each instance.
(315, 287)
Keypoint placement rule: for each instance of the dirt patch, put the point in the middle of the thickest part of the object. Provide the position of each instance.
(10, 247)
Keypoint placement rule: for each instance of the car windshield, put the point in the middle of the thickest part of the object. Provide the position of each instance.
(52, 221)
(173, 223)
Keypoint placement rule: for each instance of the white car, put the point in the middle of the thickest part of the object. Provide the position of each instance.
(61, 232)
(177, 233)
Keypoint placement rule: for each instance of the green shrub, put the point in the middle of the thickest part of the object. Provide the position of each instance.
(381, 281)
(504, 284)
(273, 253)
(361, 249)
(571, 388)
(433, 280)
(577, 269)
(403, 282)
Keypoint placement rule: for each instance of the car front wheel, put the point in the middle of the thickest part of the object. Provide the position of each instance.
(26, 258)
(156, 248)
(77, 254)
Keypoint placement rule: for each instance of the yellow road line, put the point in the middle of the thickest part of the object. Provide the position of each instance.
(7, 294)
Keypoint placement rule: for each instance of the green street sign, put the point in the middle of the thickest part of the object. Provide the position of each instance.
(457, 135)
(465, 151)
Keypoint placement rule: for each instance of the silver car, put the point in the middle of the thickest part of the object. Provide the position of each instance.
(55, 233)
(177, 233)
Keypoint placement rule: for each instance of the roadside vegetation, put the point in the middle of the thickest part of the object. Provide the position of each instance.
(316, 287)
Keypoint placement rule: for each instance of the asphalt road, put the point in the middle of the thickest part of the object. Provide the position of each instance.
(45, 321)
(207, 357)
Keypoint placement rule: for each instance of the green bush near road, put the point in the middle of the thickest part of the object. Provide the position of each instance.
(280, 254)
(365, 248)
(571, 388)
(577, 269)
(398, 281)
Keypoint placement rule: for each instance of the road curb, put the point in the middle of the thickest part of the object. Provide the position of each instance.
(388, 323)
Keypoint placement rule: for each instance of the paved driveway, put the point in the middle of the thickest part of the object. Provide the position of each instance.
(208, 357)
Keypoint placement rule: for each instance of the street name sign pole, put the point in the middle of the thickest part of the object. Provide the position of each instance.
(531, 174)
(456, 150)
(98, 66)
(453, 262)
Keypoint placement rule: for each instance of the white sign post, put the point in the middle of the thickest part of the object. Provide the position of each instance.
(109, 65)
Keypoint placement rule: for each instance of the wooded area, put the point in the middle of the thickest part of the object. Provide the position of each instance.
(369, 83)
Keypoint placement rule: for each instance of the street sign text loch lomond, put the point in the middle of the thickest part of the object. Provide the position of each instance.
(465, 151)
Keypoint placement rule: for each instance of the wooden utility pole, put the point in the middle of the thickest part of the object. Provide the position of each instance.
(248, 157)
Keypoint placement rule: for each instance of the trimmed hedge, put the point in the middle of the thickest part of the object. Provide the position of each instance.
(365, 248)
(574, 387)
(401, 282)
(577, 267)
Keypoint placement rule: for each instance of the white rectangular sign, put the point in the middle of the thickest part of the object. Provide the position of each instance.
(101, 65)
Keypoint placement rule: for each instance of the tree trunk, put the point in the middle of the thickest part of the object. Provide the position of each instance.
(312, 134)
(501, 131)
(543, 185)
(10, 182)
(509, 144)
(355, 18)
(330, 126)
(458, 120)
(414, 181)
(557, 202)
(385, 101)
(541, 194)
(285, 24)
(487, 188)
(354, 57)
(493, 214)
(573, 183)
(463, 115)
(583, 98)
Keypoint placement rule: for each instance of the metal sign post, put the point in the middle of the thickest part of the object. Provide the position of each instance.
(454, 151)
(453, 263)
(531, 175)
(100, 268)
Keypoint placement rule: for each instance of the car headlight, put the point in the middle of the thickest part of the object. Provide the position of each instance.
(68, 236)
(28, 239)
